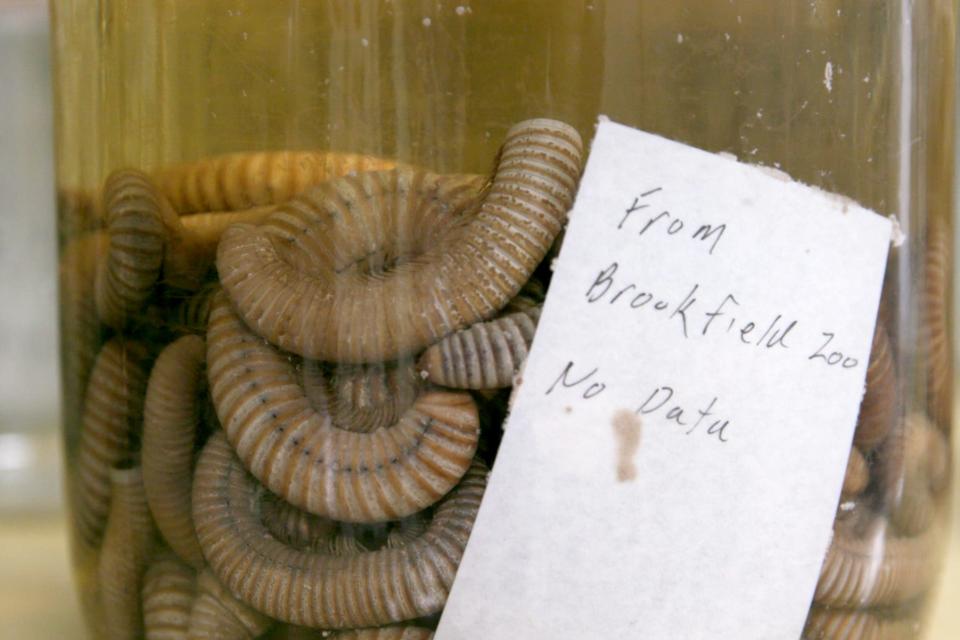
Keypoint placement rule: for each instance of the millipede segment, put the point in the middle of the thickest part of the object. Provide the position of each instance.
(874, 569)
(298, 453)
(137, 222)
(127, 544)
(169, 589)
(110, 427)
(172, 415)
(376, 266)
(237, 181)
(218, 615)
(362, 397)
(326, 314)
(935, 324)
(318, 589)
(486, 355)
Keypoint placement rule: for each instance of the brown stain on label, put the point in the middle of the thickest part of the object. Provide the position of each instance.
(626, 429)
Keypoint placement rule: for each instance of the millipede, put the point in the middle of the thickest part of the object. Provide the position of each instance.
(285, 374)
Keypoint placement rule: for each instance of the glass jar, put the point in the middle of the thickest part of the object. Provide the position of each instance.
(238, 436)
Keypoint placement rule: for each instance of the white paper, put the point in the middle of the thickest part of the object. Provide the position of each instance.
(715, 529)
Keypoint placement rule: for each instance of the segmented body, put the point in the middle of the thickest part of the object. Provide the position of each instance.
(113, 408)
(171, 424)
(486, 355)
(169, 588)
(330, 275)
(318, 589)
(299, 454)
(127, 545)
(242, 180)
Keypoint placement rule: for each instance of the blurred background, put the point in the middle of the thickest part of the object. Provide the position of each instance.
(36, 595)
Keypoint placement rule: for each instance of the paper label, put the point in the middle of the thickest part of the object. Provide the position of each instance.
(673, 460)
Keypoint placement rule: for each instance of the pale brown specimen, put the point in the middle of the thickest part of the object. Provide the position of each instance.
(305, 531)
(873, 570)
(530, 296)
(127, 544)
(315, 589)
(169, 588)
(407, 530)
(840, 624)
(486, 355)
(218, 615)
(111, 418)
(377, 266)
(296, 451)
(935, 341)
(137, 220)
(293, 526)
(362, 397)
(243, 180)
(878, 409)
(149, 243)
(335, 273)
(344, 543)
(172, 415)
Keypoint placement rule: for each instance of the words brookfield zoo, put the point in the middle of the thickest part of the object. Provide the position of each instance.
(697, 314)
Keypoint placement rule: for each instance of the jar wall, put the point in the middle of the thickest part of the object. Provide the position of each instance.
(855, 98)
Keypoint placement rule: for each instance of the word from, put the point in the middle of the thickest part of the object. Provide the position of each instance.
(670, 223)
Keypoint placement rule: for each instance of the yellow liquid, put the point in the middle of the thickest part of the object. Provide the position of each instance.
(837, 93)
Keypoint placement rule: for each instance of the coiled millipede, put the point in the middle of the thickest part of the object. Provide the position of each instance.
(295, 450)
(238, 181)
(137, 220)
(169, 589)
(376, 266)
(333, 319)
(362, 397)
(874, 570)
(935, 329)
(148, 240)
(170, 432)
(127, 544)
(111, 419)
(486, 355)
(219, 615)
(322, 590)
